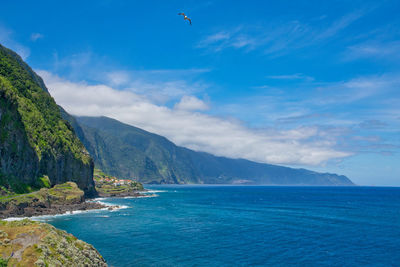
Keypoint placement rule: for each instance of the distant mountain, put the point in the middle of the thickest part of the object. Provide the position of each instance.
(37, 147)
(126, 151)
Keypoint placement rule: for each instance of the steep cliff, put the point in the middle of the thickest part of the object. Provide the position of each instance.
(34, 139)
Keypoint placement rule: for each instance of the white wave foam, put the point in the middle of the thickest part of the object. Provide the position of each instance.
(47, 217)
(121, 207)
(14, 219)
(97, 199)
(147, 196)
(153, 191)
(112, 207)
(105, 203)
(109, 207)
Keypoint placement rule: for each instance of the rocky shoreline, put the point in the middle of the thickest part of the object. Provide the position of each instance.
(27, 243)
(62, 199)
(123, 194)
(32, 210)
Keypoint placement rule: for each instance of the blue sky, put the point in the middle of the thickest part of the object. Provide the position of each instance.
(311, 84)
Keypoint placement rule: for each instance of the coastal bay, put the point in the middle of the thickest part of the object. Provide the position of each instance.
(245, 225)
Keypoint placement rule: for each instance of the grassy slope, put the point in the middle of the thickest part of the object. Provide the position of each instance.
(66, 193)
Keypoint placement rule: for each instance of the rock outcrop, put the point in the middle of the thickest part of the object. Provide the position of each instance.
(62, 198)
(28, 243)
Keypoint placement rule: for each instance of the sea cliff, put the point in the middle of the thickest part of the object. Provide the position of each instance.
(34, 139)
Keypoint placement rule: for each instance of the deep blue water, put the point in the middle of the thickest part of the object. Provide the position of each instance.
(241, 226)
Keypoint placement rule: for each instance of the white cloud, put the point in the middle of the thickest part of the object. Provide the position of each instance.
(373, 87)
(118, 78)
(238, 37)
(277, 38)
(192, 129)
(35, 36)
(169, 85)
(341, 24)
(191, 103)
(159, 85)
(374, 49)
(6, 39)
(164, 91)
(296, 76)
(217, 37)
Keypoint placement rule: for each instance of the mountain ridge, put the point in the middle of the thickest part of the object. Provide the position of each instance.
(151, 158)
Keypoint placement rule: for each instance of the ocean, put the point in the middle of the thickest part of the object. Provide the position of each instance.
(246, 226)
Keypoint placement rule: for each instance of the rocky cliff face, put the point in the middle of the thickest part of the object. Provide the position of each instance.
(34, 139)
(14, 144)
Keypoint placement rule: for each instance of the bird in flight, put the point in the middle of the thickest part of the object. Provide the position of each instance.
(185, 17)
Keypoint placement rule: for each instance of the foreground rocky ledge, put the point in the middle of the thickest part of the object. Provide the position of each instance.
(29, 243)
(60, 199)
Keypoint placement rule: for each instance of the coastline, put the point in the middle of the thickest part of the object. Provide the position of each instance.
(53, 210)
(89, 205)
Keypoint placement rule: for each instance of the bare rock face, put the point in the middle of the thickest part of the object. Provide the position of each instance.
(62, 167)
(34, 139)
(28, 243)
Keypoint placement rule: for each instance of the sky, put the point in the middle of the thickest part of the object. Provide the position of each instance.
(305, 84)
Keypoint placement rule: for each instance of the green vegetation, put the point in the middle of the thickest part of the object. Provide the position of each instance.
(34, 138)
(66, 193)
(39, 244)
(44, 181)
(17, 199)
(61, 194)
(3, 262)
(11, 185)
(40, 114)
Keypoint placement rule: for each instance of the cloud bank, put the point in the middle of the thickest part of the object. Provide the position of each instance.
(185, 125)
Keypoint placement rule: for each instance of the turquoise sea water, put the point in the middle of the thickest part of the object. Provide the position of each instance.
(246, 226)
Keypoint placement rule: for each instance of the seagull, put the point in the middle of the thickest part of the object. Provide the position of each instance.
(186, 17)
